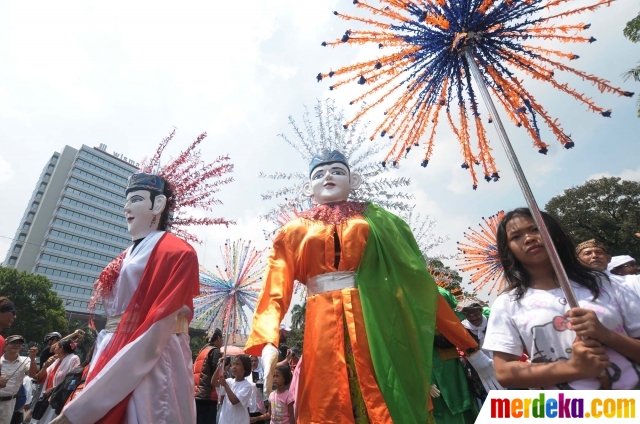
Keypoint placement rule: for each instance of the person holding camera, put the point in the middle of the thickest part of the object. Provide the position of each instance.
(14, 368)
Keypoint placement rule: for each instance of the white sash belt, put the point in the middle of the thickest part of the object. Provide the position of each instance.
(182, 324)
(331, 281)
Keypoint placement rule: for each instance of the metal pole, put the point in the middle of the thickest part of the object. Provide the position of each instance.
(226, 342)
(524, 185)
(605, 381)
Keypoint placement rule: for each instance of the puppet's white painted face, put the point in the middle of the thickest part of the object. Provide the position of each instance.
(142, 216)
(330, 183)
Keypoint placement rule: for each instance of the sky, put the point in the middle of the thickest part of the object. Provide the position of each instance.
(126, 73)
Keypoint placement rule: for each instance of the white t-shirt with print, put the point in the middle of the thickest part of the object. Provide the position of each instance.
(536, 325)
(238, 413)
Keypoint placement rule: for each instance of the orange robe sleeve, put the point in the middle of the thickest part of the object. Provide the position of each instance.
(275, 297)
(450, 326)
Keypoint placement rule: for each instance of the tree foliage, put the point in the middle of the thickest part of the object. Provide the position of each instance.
(196, 343)
(607, 209)
(632, 29)
(87, 342)
(632, 32)
(39, 309)
(298, 315)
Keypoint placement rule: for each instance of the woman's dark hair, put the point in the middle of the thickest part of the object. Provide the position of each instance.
(246, 364)
(166, 213)
(87, 359)
(519, 279)
(217, 334)
(286, 373)
(66, 345)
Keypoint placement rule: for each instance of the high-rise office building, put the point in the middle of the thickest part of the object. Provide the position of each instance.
(74, 222)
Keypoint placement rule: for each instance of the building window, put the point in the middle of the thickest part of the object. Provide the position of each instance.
(117, 217)
(39, 195)
(88, 242)
(17, 248)
(22, 237)
(54, 159)
(30, 215)
(96, 233)
(26, 226)
(65, 274)
(71, 262)
(35, 205)
(87, 218)
(102, 171)
(50, 167)
(43, 186)
(105, 162)
(47, 176)
(12, 260)
(79, 252)
(100, 190)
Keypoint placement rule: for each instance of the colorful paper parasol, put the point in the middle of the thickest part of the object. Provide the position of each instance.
(429, 52)
(479, 255)
(227, 294)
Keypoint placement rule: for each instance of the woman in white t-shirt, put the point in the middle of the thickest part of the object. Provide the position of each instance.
(568, 348)
(238, 391)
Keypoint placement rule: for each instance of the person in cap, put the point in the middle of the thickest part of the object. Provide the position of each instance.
(360, 264)
(49, 341)
(14, 369)
(624, 269)
(472, 308)
(622, 265)
(594, 255)
(451, 392)
(147, 294)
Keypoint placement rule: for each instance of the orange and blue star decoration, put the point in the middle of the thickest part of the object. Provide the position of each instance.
(422, 70)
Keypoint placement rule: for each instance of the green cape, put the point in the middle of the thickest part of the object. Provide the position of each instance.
(399, 304)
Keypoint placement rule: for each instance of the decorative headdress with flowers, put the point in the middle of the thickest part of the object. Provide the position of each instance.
(317, 141)
(193, 184)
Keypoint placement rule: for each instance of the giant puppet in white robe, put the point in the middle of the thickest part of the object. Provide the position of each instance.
(142, 370)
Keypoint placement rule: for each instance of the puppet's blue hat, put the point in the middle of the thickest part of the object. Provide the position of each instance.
(327, 157)
(150, 182)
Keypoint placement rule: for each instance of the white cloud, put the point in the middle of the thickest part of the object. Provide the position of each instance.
(124, 73)
(6, 171)
(627, 174)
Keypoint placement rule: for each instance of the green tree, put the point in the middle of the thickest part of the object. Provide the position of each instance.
(298, 314)
(87, 342)
(196, 344)
(632, 32)
(607, 209)
(39, 309)
(296, 338)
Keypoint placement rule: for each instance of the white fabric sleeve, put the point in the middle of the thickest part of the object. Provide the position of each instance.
(122, 374)
(629, 303)
(502, 333)
(243, 393)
